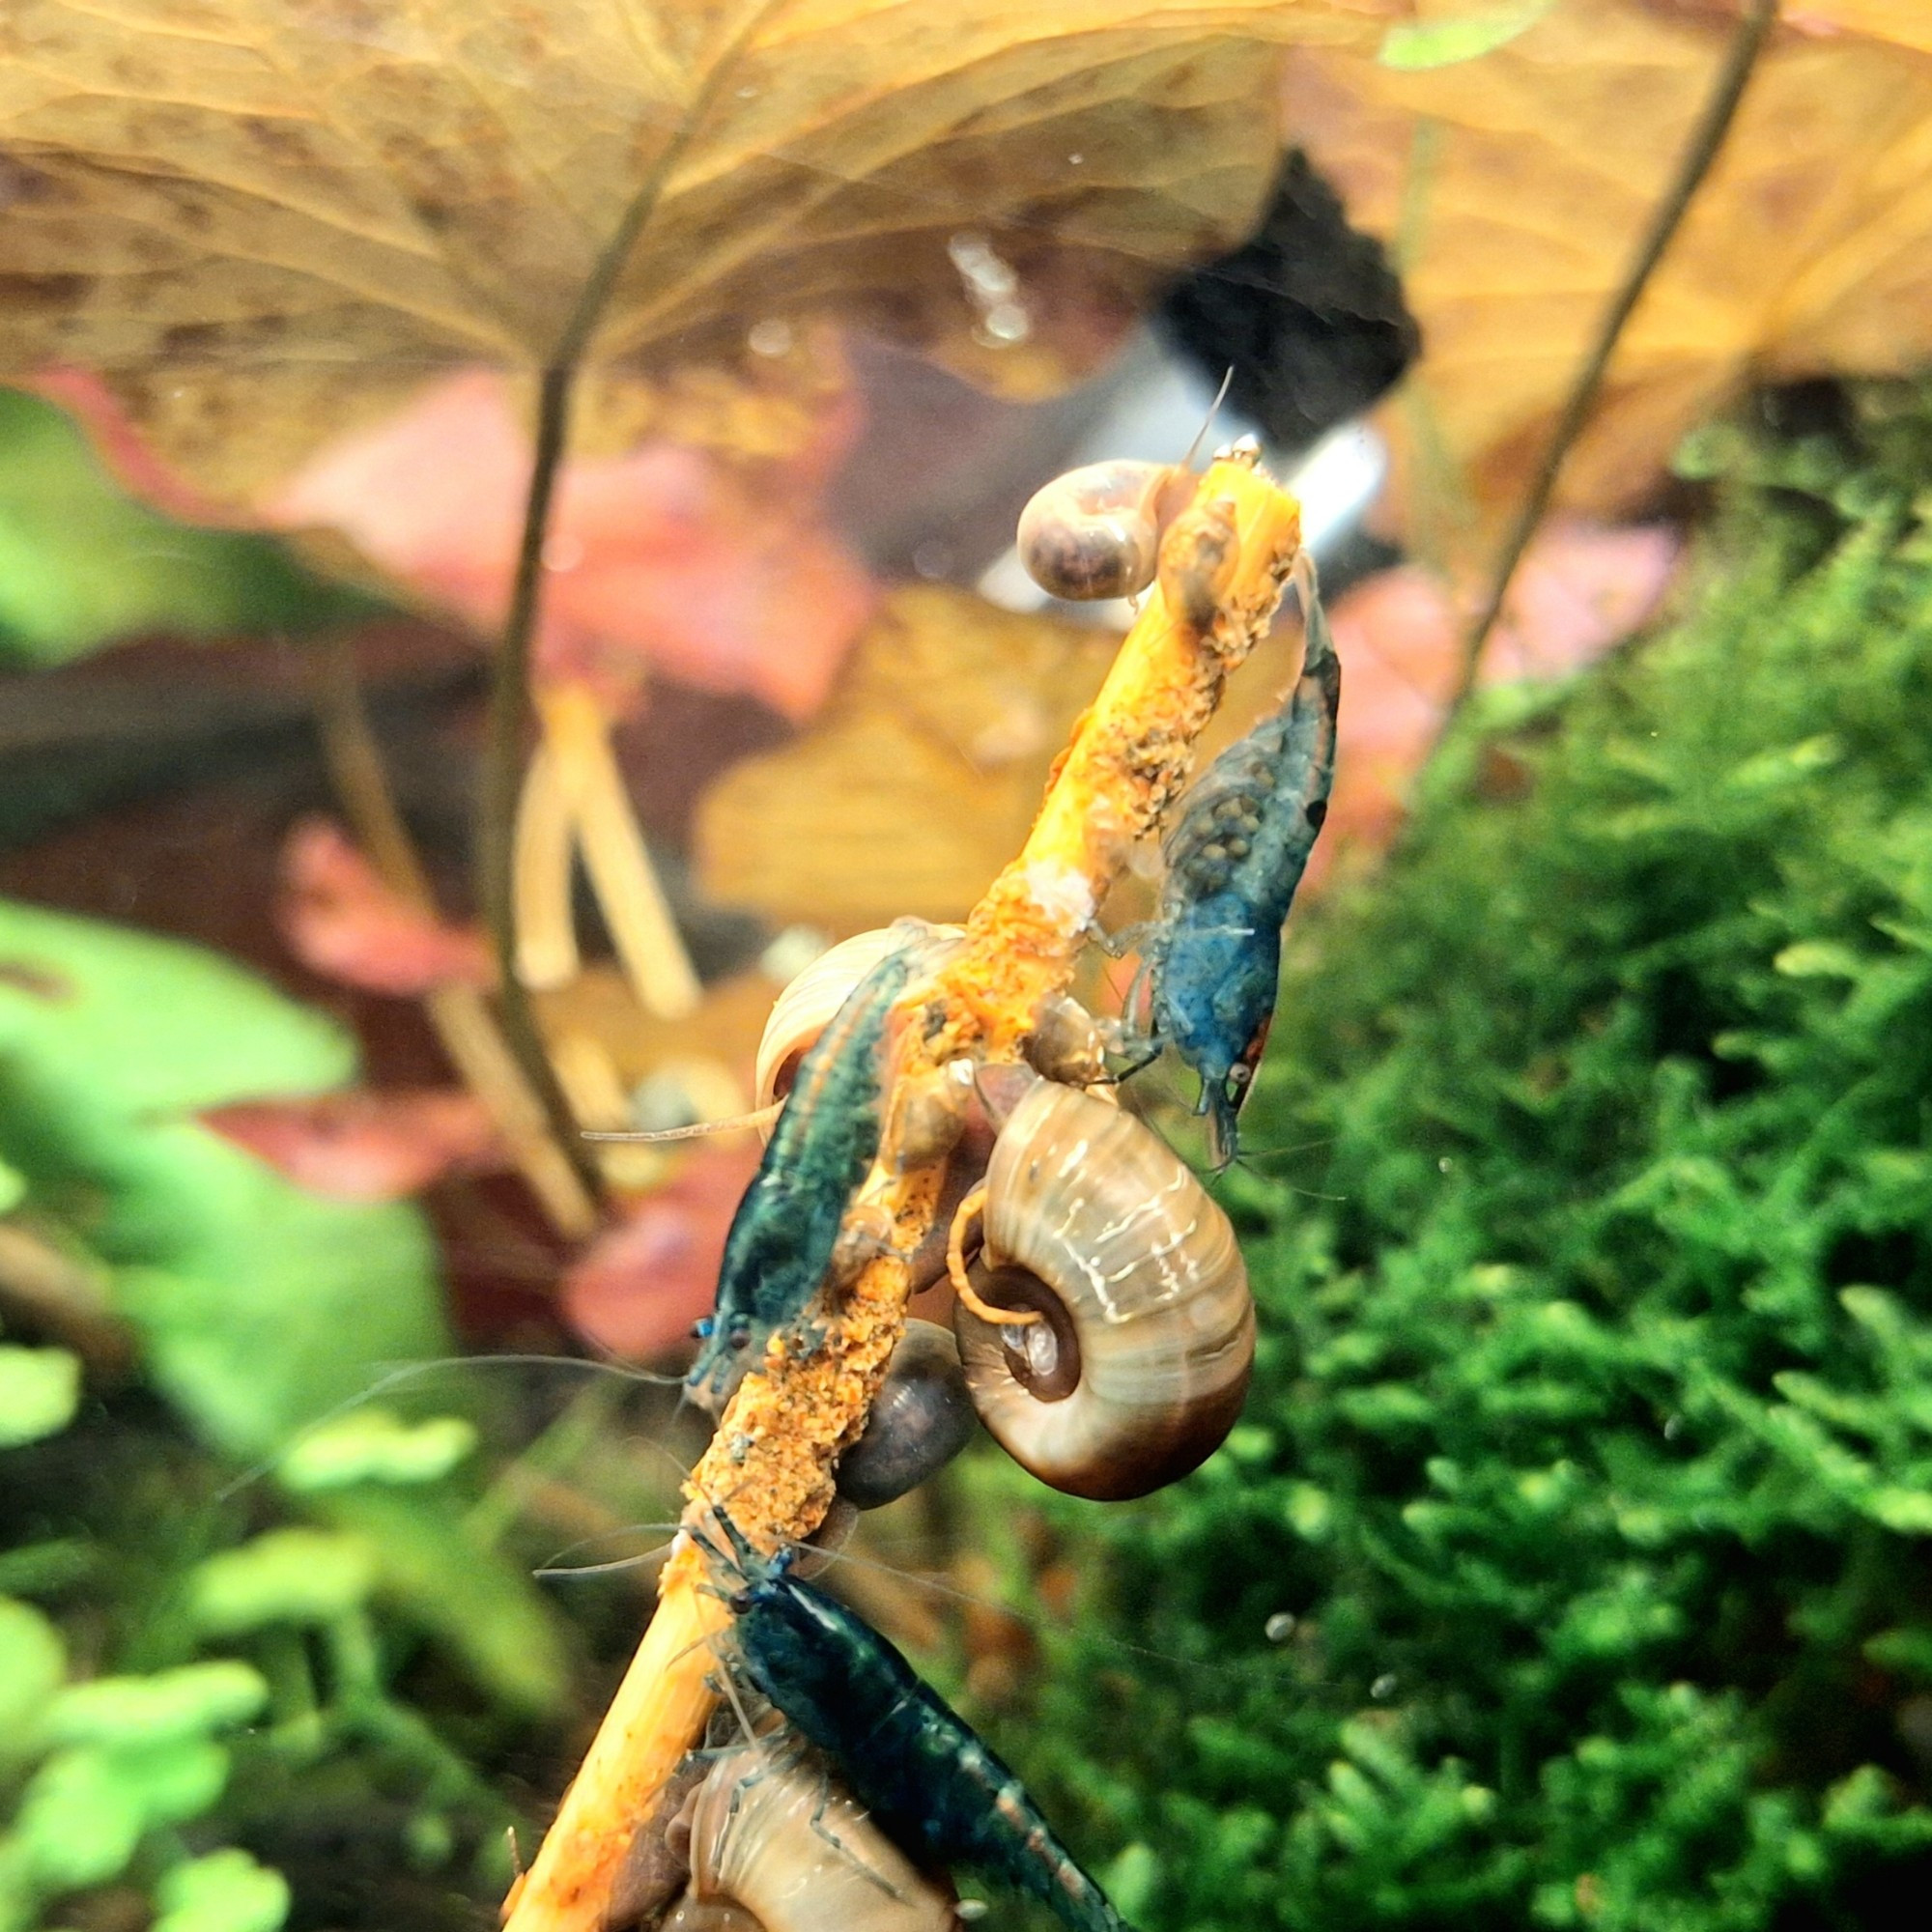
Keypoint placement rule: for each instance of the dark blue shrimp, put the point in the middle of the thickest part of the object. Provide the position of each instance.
(782, 1238)
(1234, 859)
(934, 1787)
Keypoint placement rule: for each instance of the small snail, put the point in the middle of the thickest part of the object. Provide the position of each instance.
(921, 1419)
(1135, 1369)
(805, 1007)
(772, 1839)
(1095, 531)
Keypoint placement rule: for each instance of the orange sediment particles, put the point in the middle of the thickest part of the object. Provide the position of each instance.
(1223, 563)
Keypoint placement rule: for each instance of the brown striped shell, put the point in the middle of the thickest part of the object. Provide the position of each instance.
(1139, 1368)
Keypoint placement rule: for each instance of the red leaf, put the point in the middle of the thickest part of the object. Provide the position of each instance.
(339, 919)
(361, 1146)
(638, 1289)
(1579, 589)
(666, 558)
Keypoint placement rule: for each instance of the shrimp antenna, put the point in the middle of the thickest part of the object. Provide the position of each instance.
(1213, 411)
(405, 1372)
(558, 1566)
(759, 1117)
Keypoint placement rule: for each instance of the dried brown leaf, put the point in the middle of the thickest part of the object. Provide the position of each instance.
(920, 780)
(263, 220)
(1528, 175)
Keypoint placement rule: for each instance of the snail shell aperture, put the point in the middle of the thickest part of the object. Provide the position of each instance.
(775, 1838)
(921, 1418)
(1138, 1370)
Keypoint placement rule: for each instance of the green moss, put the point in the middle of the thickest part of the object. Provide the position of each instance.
(1590, 1446)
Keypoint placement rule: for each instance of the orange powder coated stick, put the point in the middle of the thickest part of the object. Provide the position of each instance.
(1223, 564)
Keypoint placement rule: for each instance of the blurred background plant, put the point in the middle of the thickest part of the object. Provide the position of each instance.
(1569, 1566)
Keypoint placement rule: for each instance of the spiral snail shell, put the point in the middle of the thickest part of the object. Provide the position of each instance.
(804, 1010)
(1138, 1370)
(921, 1418)
(1095, 531)
(773, 1839)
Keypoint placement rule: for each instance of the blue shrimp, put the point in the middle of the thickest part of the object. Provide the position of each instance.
(919, 1767)
(782, 1239)
(1233, 860)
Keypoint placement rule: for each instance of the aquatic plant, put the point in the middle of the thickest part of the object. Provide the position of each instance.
(1568, 1566)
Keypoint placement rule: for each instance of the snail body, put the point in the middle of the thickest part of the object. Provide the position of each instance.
(1138, 1367)
(775, 1844)
(1095, 531)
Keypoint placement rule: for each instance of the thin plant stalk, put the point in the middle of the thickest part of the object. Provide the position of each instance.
(1700, 151)
(510, 694)
(577, 740)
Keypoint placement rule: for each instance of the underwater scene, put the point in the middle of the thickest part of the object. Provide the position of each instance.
(965, 965)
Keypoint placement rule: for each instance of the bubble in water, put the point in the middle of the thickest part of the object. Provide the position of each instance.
(1006, 323)
(969, 1909)
(771, 337)
(1279, 1628)
(1384, 1686)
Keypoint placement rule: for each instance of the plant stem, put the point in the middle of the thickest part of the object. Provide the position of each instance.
(1707, 139)
(510, 692)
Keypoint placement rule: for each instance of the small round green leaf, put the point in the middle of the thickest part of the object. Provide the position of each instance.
(225, 1891)
(288, 1575)
(40, 1390)
(79, 1820)
(1416, 44)
(188, 1702)
(33, 1663)
(376, 1445)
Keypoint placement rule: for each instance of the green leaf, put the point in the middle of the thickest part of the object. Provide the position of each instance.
(1415, 45)
(1818, 959)
(82, 565)
(79, 1820)
(13, 1187)
(288, 1575)
(40, 1390)
(259, 1308)
(188, 1702)
(375, 1446)
(33, 1664)
(1131, 1878)
(225, 1891)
